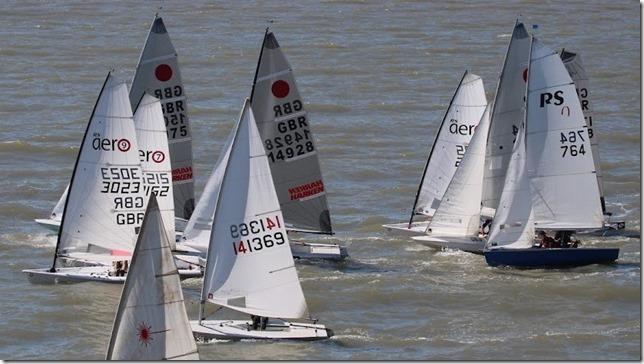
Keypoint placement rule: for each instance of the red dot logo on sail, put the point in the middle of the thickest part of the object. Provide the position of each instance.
(158, 156)
(163, 72)
(144, 333)
(123, 145)
(280, 89)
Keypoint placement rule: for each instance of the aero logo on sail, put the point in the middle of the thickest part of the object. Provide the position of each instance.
(111, 144)
(155, 156)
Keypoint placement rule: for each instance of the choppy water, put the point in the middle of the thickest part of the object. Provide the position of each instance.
(376, 77)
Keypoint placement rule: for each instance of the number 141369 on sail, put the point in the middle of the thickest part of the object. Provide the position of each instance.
(257, 235)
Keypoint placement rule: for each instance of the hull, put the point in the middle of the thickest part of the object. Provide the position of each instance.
(49, 224)
(551, 258)
(88, 274)
(402, 228)
(303, 250)
(275, 330)
(468, 244)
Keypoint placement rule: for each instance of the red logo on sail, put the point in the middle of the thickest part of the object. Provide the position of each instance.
(181, 174)
(123, 145)
(163, 72)
(158, 156)
(306, 190)
(280, 89)
(144, 333)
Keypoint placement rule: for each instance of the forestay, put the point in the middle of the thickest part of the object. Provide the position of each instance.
(151, 321)
(286, 134)
(460, 207)
(513, 225)
(507, 114)
(249, 266)
(155, 158)
(560, 162)
(197, 231)
(106, 201)
(157, 73)
(577, 72)
(456, 129)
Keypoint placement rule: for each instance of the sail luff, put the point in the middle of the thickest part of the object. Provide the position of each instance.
(71, 181)
(431, 151)
(259, 59)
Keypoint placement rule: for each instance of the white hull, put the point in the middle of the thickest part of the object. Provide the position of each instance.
(402, 228)
(49, 224)
(242, 329)
(303, 250)
(87, 274)
(464, 243)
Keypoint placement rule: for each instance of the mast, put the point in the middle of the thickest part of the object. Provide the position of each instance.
(431, 151)
(261, 51)
(71, 183)
(202, 303)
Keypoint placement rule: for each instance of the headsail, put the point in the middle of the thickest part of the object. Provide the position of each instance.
(155, 157)
(57, 212)
(577, 72)
(157, 73)
(151, 322)
(454, 133)
(250, 267)
(293, 156)
(459, 210)
(106, 201)
(507, 114)
(560, 159)
(513, 225)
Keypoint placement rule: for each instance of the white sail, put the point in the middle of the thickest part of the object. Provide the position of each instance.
(197, 231)
(151, 322)
(507, 114)
(560, 162)
(513, 225)
(106, 201)
(287, 135)
(157, 73)
(155, 157)
(57, 212)
(459, 210)
(454, 134)
(577, 72)
(249, 265)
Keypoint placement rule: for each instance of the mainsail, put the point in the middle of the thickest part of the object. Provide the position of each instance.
(249, 266)
(157, 73)
(155, 158)
(106, 197)
(513, 225)
(577, 72)
(507, 114)
(454, 133)
(459, 210)
(560, 159)
(151, 322)
(286, 134)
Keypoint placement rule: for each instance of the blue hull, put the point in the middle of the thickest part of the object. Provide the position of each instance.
(551, 258)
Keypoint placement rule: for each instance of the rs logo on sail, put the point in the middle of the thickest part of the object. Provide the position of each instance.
(111, 144)
(546, 98)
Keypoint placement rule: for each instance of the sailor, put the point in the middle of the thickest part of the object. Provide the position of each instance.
(485, 227)
(264, 322)
(255, 320)
(545, 240)
(119, 268)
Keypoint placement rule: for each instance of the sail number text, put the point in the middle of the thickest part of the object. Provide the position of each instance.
(174, 112)
(256, 235)
(293, 139)
(572, 143)
(123, 181)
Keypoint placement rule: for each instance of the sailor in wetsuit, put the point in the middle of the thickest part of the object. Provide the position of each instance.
(545, 241)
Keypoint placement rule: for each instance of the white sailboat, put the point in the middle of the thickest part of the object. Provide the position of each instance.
(577, 72)
(454, 134)
(285, 129)
(106, 198)
(455, 225)
(250, 267)
(551, 178)
(53, 222)
(158, 74)
(151, 322)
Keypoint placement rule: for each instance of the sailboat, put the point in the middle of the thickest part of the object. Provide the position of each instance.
(151, 322)
(250, 267)
(286, 132)
(158, 74)
(577, 72)
(550, 181)
(106, 198)
(455, 224)
(53, 222)
(454, 134)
